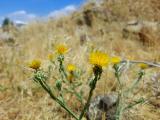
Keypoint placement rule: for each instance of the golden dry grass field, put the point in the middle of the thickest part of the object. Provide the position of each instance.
(129, 29)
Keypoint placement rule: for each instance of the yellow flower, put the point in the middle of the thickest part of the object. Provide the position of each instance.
(143, 65)
(51, 56)
(35, 64)
(99, 59)
(61, 48)
(115, 60)
(71, 67)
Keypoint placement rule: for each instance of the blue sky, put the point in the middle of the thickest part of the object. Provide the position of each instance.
(26, 10)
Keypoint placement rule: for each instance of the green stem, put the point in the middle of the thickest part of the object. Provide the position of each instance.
(48, 90)
(77, 94)
(66, 108)
(74, 92)
(119, 107)
(118, 79)
(145, 62)
(120, 102)
(141, 100)
(117, 74)
(61, 68)
(97, 77)
(120, 96)
(141, 73)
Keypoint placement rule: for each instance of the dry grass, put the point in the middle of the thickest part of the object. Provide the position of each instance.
(21, 99)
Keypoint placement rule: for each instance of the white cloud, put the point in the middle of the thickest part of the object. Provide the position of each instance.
(21, 12)
(62, 12)
(21, 16)
(24, 16)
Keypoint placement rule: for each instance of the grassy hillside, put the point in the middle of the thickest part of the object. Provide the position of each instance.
(105, 27)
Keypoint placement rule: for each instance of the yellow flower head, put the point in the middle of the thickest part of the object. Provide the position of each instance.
(115, 60)
(143, 65)
(61, 48)
(71, 67)
(35, 64)
(99, 59)
(51, 56)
